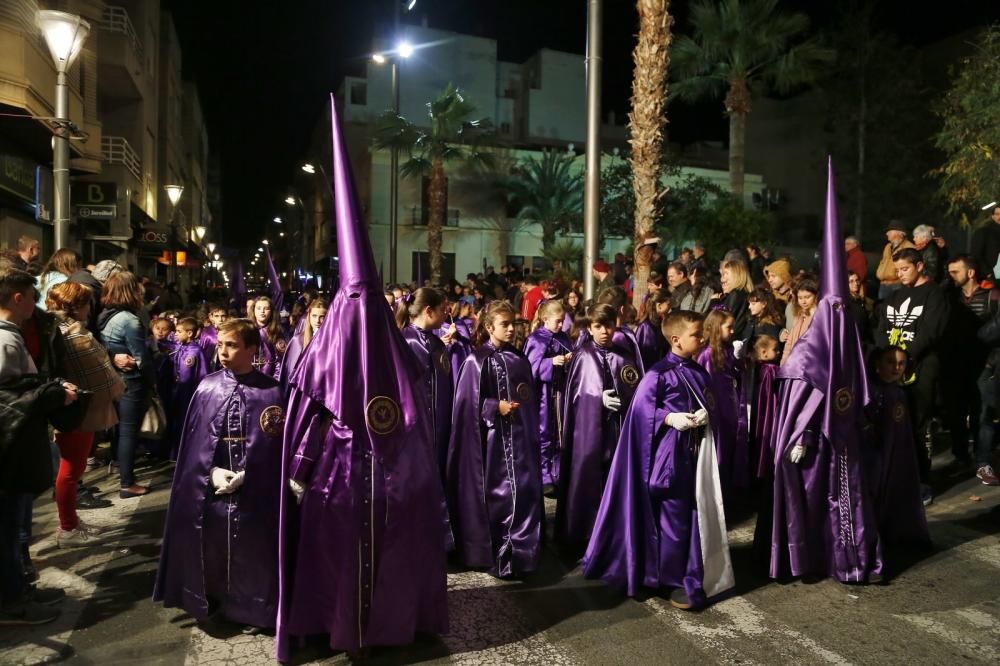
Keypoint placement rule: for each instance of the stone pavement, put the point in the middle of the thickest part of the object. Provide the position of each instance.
(939, 607)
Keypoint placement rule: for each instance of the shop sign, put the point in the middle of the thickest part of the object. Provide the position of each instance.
(17, 176)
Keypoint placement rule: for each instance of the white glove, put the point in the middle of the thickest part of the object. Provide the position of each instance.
(297, 489)
(234, 484)
(221, 478)
(738, 348)
(797, 453)
(700, 417)
(680, 421)
(611, 401)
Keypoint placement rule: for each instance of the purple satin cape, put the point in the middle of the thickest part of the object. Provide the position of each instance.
(625, 342)
(891, 468)
(494, 479)
(539, 348)
(590, 436)
(731, 423)
(208, 340)
(647, 528)
(189, 369)
(652, 345)
(434, 359)
(197, 518)
(293, 354)
(460, 347)
(763, 418)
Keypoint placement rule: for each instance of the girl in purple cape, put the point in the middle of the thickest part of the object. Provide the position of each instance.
(732, 421)
(765, 402)
(312, 318)
(272, 338)
(572, 305)
(549, 351)
(652, 345)
(494, 479)
(661, 523)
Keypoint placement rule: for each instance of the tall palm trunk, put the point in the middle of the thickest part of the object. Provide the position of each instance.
(649, 93)
(436, 221)
(548, 234)
(738, 107)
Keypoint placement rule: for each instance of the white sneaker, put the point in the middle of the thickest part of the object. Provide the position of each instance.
(74, 538)
(92, 530)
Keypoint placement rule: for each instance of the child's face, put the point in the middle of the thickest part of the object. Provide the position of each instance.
(501, 329)
(807, 300)
(436, 316)
(601, 334)
(161, 330)
(756, 307)
(218, 317)
(316, 317)
(891, 366)
(662, 308)
(184, 335)
(767, 352)
(554, 320)
(688, 343)
(726, 330)
(262, 312)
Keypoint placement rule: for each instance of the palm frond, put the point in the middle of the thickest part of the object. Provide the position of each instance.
(415, 166)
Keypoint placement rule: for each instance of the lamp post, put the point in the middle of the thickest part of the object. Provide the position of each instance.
(592, 182)
(64, 34)
(174, 193)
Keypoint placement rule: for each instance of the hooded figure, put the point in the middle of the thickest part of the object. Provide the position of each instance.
(362, 555)
(819, 520)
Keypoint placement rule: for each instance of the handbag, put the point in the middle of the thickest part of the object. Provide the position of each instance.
(154, 421)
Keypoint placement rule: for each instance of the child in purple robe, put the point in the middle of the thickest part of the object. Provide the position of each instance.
(599, 390)
(765, 400)
(220, 549)
(494, 477)
(652, 345)
(549, 351)
(162, 348)
(732, 421)
(189, 369)
(661, 522)
(273, 342)
(891, 465)
(208, 336)
(624, 341)
(312, 319)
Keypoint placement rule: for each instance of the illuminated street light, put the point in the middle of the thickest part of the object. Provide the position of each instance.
(211, 248)
(264, 241)
(379, 59)
(290, 200)
(308, 168)
(174, 193)
(200, 232)
(405, 49)
(277, 220)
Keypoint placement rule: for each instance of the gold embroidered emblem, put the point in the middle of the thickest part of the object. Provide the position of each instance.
(709, 401)
(899, 413)
(523, 392)
(272, 420)
(382, 415)
(630, 375)
(281, 346)
(843, 400)
(189, 361)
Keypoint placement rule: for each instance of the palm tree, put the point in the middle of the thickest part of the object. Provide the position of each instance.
(649, 87)
(452, 138)
(547, 192)
(740, 46)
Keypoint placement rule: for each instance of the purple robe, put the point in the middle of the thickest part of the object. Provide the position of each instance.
(437, 382)
(208, 340)
(627, 345)
(494, 477)
(652, 345)
(567, 325)
(661, 521)
(189, 370)
(762, 419)
(590, 436)
(163, 364)
(293, 353)
(550, 380)
(460, 348)
(731, 422)
(270, 354)
(891, 467)
(223, 547)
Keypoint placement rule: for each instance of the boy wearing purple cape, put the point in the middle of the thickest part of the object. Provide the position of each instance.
(599, 390)
(219, 550)
(624, 341)
(494, 477)
(820, 521)
(208, 337)
(361, 543)
(189, 369)
(661, 523)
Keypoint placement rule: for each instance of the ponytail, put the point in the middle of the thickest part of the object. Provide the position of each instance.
(413, 304)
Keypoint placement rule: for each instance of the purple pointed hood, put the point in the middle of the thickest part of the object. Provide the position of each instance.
(358, 365)
(239, 289)
(829, 356)
(276, 293)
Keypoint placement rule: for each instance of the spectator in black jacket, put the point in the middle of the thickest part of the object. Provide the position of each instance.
(915, 318)
(923, 241)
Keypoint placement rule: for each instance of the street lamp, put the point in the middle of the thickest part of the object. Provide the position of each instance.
(403, 50)
(64, 34)
(200, 232)
(278, 220)
(211, 248)
(290, 200)
(309, 168)
(174, 193)
(264, 241)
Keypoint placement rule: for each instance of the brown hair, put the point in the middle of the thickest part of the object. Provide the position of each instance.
(244, 329)
(307, 329)
(63, 261)
(164, 320)
(68, 297)
(189, 324)
(804, 283)
(13, 281)
(677, 322)
(770, 314)
(489, 313)
(273, 327)
(25, 242)
(122, 291)
(713, 333)
(602, 313)
(649, 313)
(762, 342)
(544, 310)
(415, 303)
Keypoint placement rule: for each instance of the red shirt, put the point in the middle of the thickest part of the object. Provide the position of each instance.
(530, 302)
(857, 262)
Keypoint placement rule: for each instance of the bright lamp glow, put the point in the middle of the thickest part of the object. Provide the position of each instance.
(278, 220)
(211, 248)
(216, 258)
(405, 49)
(411, 5)
(260, 249)
(174, 193)
(264, 241)
(308, 168)
(379, 59)
(281, 234)
(64, 34)
(200, 232)
(290, 201)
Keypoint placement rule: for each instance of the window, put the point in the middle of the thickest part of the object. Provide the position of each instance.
(515, 261)
(420, 265)
(359, 93)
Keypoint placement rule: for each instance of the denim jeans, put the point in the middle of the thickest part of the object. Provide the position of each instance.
(12, 581)
(131, 409)
(987, 384)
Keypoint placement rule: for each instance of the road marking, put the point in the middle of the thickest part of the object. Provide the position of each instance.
(972, 630)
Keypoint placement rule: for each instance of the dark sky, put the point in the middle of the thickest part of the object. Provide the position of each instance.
(264, 68)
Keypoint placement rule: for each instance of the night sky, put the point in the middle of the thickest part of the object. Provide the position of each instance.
(264, 68)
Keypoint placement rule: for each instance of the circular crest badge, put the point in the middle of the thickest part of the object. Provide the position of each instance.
(630, 375)
(523, 392)
(272, 420)
(189, 361)
(709, 400)
(843, 400)
(281, 346)
(382, 415)
(444, 362)
(899, 413)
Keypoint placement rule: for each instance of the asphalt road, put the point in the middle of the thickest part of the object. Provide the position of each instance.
(940, 607)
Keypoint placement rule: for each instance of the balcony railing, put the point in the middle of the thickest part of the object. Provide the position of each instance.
(117, 150)
(419, 217)
(116, 19)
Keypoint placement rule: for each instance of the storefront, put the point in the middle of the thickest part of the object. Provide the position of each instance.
(25, 202)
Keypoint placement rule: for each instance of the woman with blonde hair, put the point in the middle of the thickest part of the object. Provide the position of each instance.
(88, 366)
(313, 317)
(736, 288)
(122, 331)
